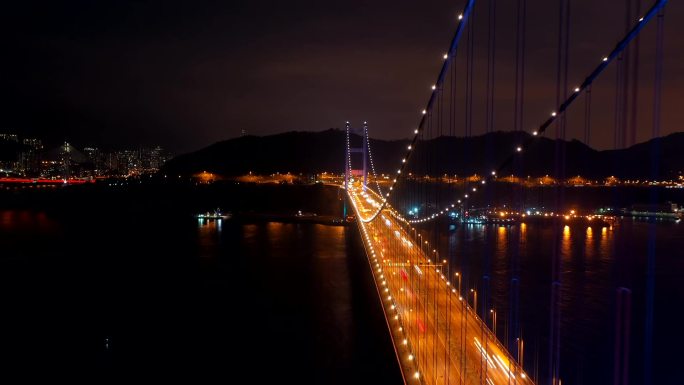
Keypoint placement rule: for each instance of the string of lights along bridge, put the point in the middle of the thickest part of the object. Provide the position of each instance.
(443, 320)
(444, 340)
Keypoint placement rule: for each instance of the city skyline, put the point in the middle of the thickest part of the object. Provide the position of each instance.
(32, 157)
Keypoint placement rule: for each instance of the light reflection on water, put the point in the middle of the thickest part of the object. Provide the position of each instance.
(188, 293)
(17, 220)
(589, 243)
(21, 230)
(307, 267)
(307, 276)
(594, 262)
(209, 235)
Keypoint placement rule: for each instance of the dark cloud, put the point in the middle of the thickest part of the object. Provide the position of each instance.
(188, 73)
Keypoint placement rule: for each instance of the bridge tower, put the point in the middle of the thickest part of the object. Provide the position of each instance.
(348, 171)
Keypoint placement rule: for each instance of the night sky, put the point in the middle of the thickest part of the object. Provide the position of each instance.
(185, 74)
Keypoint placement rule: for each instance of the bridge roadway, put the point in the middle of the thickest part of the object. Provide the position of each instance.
(446, 340)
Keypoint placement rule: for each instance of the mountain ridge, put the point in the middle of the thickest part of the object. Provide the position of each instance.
(325, 151)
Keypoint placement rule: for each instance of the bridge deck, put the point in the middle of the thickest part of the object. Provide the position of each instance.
(442, 335)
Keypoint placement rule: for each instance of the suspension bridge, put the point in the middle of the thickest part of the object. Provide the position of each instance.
(444, 329)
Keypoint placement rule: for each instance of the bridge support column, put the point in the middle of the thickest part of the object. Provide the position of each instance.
(365, 155)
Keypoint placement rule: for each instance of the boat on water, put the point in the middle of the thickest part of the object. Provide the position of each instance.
(216, 214)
